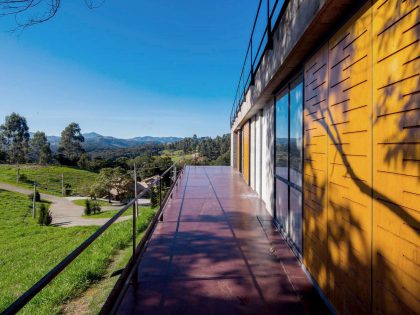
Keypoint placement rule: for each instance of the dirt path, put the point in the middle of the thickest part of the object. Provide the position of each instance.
(64, 212)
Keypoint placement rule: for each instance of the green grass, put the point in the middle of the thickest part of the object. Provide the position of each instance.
(48, 178)
(102, 203)
(175, 155)
(28, 251)
(111, 213)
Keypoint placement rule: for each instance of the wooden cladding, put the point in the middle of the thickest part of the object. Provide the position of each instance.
(396, 151)
(362, 162)
(238, 150)
(246, 151)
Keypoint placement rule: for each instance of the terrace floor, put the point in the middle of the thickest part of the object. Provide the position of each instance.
(217, 252)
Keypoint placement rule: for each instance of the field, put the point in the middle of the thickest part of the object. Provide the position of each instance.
(111, 213)
(48, 178)
(176, 156)
(102, 203)
(28, 251)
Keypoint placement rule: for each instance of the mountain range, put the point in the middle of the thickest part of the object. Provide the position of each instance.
(95, 141)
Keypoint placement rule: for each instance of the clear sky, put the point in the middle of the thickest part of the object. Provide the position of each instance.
(128, 68)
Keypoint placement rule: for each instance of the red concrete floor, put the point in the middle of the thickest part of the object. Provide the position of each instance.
(217, 252)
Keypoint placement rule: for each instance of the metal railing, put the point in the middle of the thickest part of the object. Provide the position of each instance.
(53, 273)
(265, 22)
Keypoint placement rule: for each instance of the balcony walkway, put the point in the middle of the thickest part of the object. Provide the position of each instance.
(217, 252)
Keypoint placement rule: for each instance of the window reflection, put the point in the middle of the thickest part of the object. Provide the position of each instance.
(282, 134)
(289, 155)
(296, 112)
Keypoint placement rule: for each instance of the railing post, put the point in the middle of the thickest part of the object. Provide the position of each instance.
(34, 203)
(135, 191)
(160, 198)
(134, 279)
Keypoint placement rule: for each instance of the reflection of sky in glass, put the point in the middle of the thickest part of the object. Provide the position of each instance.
(296, 113)
(281, 117)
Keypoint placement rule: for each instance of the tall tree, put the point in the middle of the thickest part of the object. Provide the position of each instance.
(70, 148)
(40, 148)
(15, 137)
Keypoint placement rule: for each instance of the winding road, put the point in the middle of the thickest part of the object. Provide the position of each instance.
(64, 212)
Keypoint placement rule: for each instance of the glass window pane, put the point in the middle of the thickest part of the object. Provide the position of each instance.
(296, 112)
(282, 204)
(282, 135)
(296, 217)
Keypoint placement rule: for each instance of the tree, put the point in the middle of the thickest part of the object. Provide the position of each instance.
(3, 153)
(40, 148)
(84, 161)
(15, 137)
(103, 183)
(88, 207)
(117, 179)
(70, 148)
(30, 12)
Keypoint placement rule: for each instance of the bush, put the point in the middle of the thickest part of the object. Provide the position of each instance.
(96, 208)
(92, 207)
(37, 196)
(45, 217)
(88, 207)
(67, 189)
(154, 197)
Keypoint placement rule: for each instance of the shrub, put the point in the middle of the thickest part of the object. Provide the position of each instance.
(37, 196)
(88, 207)
(48, 218)
(67, 189)
(96, 208)
(154, 197)
(45, 217)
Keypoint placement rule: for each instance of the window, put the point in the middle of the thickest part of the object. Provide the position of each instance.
(288, 162)
(282, 160)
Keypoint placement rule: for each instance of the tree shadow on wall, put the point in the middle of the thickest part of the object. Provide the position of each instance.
(396, 99)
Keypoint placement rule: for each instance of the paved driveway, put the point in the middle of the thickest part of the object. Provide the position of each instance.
(64, 211)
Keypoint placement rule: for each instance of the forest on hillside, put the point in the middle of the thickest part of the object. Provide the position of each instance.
(18, 146)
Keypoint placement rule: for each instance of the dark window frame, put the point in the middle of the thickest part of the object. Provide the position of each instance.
(287, 87)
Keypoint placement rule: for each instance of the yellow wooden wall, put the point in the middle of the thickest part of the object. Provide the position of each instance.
(245, 150)
(396, 167)
(238, 150)
(362, 162)
(315, 167)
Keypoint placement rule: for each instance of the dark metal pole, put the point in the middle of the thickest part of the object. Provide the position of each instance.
(160, 198)
(269, 35)
(135, 223)
(34, 203)
(134, 279)
(252, 66)
(135, 191)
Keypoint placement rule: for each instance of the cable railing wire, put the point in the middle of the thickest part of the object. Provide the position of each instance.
(253, 57)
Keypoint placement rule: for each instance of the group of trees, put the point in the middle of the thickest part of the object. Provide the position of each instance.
(118, 182)
(210, 150)
(17, 146)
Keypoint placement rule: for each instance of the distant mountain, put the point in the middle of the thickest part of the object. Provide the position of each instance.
(95, 141)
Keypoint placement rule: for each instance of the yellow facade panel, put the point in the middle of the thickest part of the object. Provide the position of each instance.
(246, 151)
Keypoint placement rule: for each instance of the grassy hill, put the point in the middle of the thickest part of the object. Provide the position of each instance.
(175, 155)
(28, 251)
(48, 178)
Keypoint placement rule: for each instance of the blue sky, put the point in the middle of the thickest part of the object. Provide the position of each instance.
(128, 68)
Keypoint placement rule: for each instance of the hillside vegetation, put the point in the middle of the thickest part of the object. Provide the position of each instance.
(48, 178)
(28, 251)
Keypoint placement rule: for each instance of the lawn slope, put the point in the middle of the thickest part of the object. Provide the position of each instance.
(48, 178)
(28, 251)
